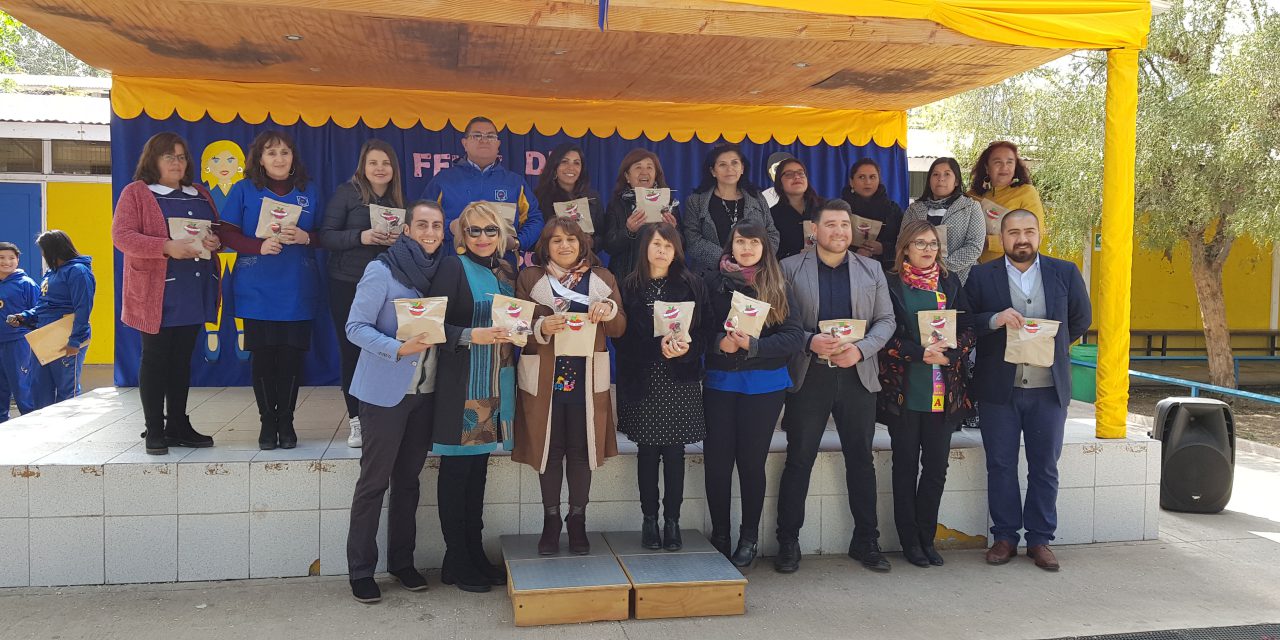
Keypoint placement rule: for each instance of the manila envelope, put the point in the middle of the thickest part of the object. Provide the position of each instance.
(385, 219)
(49, 342)
(514, 315)
(578, 337)
(421, 317)
(847, 330)
(578, 211)
(198, 230)
(506, 210)
(274, 216)
(937, 326)
(1032, 344)
(652, 202)
(672, 319)
(865, 229)
(746, 314)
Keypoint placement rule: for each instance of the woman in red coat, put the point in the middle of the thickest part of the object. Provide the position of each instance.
(168, 229)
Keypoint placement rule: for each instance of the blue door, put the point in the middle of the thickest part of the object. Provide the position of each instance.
(21, 222)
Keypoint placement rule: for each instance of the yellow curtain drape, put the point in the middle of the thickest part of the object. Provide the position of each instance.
(345, 106)
(1054, 24)
(1115, 264)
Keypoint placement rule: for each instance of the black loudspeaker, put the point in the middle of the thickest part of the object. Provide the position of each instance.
(1198, 454)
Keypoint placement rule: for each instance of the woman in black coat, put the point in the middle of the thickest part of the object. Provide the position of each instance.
(622, 221)
(565, 179)
(660, 379)
(920, 431)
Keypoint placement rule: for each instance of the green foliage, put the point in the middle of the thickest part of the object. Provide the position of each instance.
(1208, 153)
(25, 50)
(9, 40)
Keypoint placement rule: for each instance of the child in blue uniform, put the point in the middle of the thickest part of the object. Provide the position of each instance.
(17, 291)
(67, 289)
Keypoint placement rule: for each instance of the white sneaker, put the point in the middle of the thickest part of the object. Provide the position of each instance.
(355, 441)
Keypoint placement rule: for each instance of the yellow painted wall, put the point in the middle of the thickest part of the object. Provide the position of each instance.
(1164, 297)
(83, 210)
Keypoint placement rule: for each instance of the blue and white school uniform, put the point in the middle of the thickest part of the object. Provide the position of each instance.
(18, 292)
(66, 290)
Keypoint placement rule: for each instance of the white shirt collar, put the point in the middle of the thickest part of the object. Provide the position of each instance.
(160, 189)
(1008, 264)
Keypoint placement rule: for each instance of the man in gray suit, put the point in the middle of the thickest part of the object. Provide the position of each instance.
(830, 379)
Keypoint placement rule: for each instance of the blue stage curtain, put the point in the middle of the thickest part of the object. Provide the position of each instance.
(330, 154)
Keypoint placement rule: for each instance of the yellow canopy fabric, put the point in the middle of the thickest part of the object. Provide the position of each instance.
(345, 106)
(1056, 24)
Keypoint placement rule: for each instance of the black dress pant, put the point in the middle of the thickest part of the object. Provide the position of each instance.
(341, 295)
(739, 430)
(829, 392)
(396, 442)
(672, 459)
(921, 446)
(164, 375)
(567, 455)
(460, 494)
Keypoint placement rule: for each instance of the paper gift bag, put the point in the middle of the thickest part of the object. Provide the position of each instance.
(385, 219)
(198, 230)
(514, 315)
(578, 211)
(746, 314)
(865, 229)
(274, 216)
(506, 211)
(942, 241)
(652, 202)
(846, 330)
(1032, 344)
(937, 327)
(578, 337)
(49, 342)
(994, 214)
(672, 319)
(421, 317)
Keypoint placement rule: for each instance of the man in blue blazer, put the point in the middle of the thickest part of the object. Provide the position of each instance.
(1024, 403)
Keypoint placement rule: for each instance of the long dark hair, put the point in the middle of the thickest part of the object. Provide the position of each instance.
(548, 190)
(633, 156)
(148, 169)
(56, 247)
(709, 162)
(253, 164)
(981, 180)
(811, 198)
(928, 194)
(848, 194)
(770, 285)
(639, 279)
(361, 181)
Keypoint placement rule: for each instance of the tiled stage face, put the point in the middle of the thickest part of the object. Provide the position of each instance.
(82, 503)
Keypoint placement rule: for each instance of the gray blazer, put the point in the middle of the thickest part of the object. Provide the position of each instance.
(702, 248)
(870, 295)
(966, 232)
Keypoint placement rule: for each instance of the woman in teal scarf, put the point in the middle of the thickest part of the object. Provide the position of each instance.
(475, 390)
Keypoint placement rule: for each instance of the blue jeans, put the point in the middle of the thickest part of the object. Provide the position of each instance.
(59, 380)
(1033, 417)
(17, 375)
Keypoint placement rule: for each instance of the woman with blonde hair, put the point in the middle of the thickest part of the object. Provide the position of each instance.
(475, 390)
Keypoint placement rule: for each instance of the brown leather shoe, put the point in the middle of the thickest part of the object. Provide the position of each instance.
(1001, 552)
(1043, 557)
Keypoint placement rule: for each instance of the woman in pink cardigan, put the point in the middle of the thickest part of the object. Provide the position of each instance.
(168, 229)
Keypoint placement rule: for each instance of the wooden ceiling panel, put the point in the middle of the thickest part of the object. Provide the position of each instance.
(699, 51)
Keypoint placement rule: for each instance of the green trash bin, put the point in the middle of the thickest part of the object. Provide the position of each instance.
(1084, 380)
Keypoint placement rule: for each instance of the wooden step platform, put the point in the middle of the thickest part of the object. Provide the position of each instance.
(695, 581)
(564, 588)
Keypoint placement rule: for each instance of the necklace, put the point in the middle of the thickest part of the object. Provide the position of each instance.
(657, 286)
(734, 210)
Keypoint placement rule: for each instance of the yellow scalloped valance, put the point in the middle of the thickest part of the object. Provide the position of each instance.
(345, 106)
(1053, 24)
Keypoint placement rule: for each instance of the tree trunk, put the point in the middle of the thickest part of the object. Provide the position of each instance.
(1207, 261)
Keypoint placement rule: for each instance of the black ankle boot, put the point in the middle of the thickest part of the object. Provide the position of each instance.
(459, 572)
(649, 536)
(288, 395)
(155, 441)
(493, 574)
(549, 543)
(671, 535)
(178, 432)
(576, 526)
(745, 554)
(288, 437)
